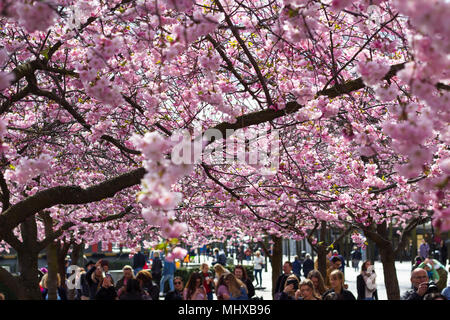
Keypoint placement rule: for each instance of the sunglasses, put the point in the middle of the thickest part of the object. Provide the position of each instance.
(177, 282)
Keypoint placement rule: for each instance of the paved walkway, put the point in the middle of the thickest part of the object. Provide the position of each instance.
(403, 275)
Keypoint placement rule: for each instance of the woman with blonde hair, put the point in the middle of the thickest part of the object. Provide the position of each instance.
(237, 289)
(258, 267)
(319, 284)
(338, 287)
(306, 291)
(61, 292)
(219, 271)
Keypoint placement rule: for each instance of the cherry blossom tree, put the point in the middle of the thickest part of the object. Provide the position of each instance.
(94, 97)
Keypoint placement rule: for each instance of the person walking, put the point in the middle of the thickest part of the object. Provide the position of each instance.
(424, 249)
(342, 267)
(296, 266)
(139, 261)
(219, 257)
(240, 256)
(337, 287)
(366, 282)
(241, 274)
(356, 257)
(156, 268)
(308, 265)
(167, 275)
(258, 267)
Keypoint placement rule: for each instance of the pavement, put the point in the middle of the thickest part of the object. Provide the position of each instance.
(403, 275)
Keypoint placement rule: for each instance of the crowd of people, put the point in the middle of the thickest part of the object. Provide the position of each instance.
(138, 282)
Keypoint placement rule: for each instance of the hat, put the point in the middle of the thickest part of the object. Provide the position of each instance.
(43, 270)
(89, 262)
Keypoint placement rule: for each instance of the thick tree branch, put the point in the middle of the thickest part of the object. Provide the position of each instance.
(67, 195)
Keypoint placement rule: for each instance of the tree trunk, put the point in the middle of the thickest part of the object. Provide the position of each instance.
(77, 254)
(390, 273)
(276, 261)
(52, 280)
(380, 238)
(12, 283)
(322, 260)
(28, 256)
(29, 276)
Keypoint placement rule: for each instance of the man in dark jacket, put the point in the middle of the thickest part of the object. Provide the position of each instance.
(177, 293)
(419, 281)
(220, 258)
(156, 268)
(139, 261)
(308, 265)
(296, 266)
(287, 271)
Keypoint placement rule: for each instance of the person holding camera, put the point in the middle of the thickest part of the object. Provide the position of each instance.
(421, 285)
(290, 288)
(366, 282)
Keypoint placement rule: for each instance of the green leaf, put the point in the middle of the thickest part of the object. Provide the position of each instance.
(45, 53)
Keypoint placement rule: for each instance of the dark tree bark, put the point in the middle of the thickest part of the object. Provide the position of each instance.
(380, 237)
(52, 262)
(276, 261)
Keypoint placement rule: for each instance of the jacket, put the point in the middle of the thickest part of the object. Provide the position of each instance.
(361, 288)
(169, 268)
(151, 289)
(296, 267)
(344, 295)
(308, 265)
(411, 295)
(156, 266)
(84, 291)
(280, 283)
(139, 260)
(93, 285)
